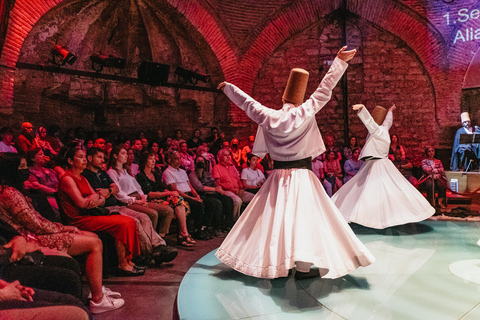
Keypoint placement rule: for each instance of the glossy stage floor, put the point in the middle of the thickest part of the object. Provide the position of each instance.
(423, 271)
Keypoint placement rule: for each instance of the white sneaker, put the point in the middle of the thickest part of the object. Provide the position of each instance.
(108, 292)
(106, 304)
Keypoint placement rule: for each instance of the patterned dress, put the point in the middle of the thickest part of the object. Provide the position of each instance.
(17, 211)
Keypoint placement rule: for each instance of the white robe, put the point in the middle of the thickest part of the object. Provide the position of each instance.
(379, 196)
(291, 218)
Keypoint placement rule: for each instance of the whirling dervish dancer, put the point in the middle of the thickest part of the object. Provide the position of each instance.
(379, 196)
(291, 221)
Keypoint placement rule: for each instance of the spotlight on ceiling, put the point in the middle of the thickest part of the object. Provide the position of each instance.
(184, 76)
(60, 55)
(99, 61)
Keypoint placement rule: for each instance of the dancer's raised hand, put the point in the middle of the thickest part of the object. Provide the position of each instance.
(393, 107)
(357, 106)
(221, 85)
(346, 55)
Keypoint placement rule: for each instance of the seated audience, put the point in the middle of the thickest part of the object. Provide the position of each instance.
(89, 144)
(227, 177)
(267, 164)
(42, 142)
(24, 303)
(17, 212)
(137, 148)
(53, 137)
(330, 145)
(150, 179)
(130, 166)
(248, 148)
(127, 145)
(70, 137)
(333, 172)
(6, 145)
(42, 179)
(209, 158)
(80, 136)
(100, 143)
(194, 142)
(131, 194)
(317, 168)
(217, 144)
(78, 198)
(152, 245)
(434, 174)
(348, 150)
(177, 180)
(352, 166)
(236, 153)
(188, 161)
(395, 145)
(26, 140)
(213, 196)
(159, 156)
(144, 144)
(54, 270)
(405, 167)
(252, 177)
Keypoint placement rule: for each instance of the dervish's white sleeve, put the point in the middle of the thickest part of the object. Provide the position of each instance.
(324, 91)
(284, 121)
(387, 123)
(368, 121)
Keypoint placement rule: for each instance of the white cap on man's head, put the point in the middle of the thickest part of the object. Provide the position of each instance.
(465, 117)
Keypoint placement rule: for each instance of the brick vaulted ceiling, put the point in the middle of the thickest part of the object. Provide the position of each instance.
(242, 34)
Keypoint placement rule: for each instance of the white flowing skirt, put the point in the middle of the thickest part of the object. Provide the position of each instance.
(379, 196)
(291, 218)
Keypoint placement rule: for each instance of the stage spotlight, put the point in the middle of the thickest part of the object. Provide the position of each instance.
(193, 77)
(61, 55)
(99, 61)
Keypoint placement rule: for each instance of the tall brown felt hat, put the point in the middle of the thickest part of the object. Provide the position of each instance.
(296, 86)
(379, 114)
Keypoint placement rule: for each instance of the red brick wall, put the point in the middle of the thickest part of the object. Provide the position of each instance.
(402, 58)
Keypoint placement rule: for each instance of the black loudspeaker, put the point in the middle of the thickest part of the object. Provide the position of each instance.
(153, 73)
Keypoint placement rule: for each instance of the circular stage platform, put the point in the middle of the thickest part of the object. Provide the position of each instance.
(409, 280)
